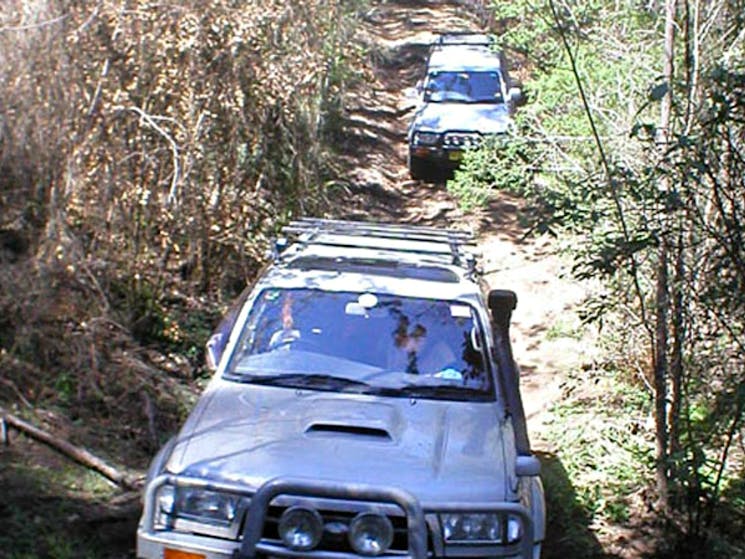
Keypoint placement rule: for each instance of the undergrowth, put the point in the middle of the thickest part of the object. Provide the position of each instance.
(601, 433)
(602, 436)
(54, 509)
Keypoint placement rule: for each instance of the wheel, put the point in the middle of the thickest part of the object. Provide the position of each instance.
(419, 168)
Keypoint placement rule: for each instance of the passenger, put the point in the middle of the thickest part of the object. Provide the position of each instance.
(415, 353)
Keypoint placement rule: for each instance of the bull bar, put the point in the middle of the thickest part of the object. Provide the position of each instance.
(259, 501)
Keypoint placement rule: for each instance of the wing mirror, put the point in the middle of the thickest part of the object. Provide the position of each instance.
(516, 96)
(527, 466)
(213, 351)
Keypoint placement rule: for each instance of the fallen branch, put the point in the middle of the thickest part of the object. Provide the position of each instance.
(12, 385)
(79, 455)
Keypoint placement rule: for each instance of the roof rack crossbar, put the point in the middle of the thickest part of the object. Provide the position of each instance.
(474, 38)
(434, 253)
(451, 239)
(385, 230)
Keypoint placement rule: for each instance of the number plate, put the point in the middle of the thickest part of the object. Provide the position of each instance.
(455, 155)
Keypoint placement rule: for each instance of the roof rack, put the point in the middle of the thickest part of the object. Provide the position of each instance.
(464, 38)
(451, 241)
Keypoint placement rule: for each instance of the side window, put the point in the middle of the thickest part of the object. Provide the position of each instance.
(219, 338)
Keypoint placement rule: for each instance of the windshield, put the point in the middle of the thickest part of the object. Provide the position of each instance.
(362, 342)
(464, 87)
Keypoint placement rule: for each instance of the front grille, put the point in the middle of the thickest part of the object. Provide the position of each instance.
(334, 537)
(462, 140)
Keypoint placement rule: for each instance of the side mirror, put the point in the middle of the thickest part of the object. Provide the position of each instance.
(527, 466)
(501, 303)
(213, 351)
(516, 96)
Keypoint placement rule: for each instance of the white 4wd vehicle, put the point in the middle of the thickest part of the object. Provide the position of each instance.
(465, 96)
(365, 403)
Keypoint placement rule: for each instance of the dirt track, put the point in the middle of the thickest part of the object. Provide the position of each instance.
(544, 332)
(397, 33)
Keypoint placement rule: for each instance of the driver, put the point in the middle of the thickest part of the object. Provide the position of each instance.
(288, 333)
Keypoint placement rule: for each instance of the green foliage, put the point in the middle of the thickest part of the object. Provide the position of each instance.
(628, 202)
(500, 163)
(568, 522)
(600, 436)
(562, 328)
(29, 533)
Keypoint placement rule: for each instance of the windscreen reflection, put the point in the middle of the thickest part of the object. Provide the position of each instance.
(464, 87)
(366, 342)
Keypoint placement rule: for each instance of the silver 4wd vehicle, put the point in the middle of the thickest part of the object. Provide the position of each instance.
(465, 95)
(365, 403)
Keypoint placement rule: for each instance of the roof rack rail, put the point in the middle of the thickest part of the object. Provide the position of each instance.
(307, 229)
(474, 38)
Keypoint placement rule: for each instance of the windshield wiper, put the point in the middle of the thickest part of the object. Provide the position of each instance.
(443, 391)
(316, 380)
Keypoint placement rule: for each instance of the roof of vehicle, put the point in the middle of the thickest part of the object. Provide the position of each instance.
(464, 57)
(360, 255)
(464, 38)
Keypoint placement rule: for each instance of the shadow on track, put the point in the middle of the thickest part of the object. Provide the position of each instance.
(568, 533)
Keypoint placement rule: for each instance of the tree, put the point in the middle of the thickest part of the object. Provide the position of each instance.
(643, 163)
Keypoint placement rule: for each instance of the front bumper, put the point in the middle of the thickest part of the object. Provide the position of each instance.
(153, 544)
(445, 158)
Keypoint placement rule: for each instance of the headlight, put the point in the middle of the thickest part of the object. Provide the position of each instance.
(370, 534)
(426, 138)
(514, 530)
(194, 505)
(490, 527)
(165, 499)
(300, 528)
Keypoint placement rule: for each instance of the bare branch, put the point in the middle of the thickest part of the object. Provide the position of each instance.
(79, 455)
(38, 25)
(152, 122)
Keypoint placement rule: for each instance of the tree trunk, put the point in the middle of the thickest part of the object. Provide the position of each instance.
(660, 354)
(660, 379)
(676, 356)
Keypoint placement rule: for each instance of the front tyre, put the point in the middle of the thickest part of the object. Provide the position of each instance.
(419, 169)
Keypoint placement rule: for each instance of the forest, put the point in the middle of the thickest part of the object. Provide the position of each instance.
(150, 152)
